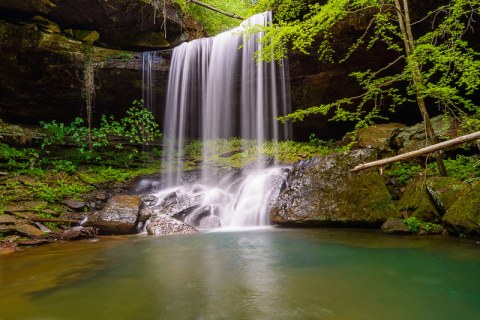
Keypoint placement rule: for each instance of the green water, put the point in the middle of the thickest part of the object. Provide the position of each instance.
(260, 274)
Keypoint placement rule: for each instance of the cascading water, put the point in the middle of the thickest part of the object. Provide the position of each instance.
(216, 89)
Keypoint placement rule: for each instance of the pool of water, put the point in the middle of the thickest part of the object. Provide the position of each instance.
(255, 274)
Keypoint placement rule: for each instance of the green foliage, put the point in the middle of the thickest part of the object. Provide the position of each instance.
(18, 159)
(412, 223)
(442, 66)
(462, 168)
(138, 126)
(64, 166)
(403, 171)
(431, 228)
(215, 22)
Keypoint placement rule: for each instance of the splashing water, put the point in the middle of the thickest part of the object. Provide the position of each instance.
(216, 89)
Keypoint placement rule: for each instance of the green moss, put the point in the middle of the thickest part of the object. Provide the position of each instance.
(415, 202)
(463, 217)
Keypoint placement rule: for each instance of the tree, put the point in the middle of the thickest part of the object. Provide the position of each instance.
(435, 64)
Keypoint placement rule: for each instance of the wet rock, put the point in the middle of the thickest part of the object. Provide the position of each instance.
(78, 233)
(119, 216)
(29, 230)
(149, 199)
(74, 204)
(183, 208)
(42, 228)
(170, 199)
(7, 248)
(463, 217)
(321, 191)
(145, 214)
(164, 225)
(209, 222)
(395, 226)
(194, 218)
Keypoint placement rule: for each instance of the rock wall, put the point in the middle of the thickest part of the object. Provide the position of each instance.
(43, 47)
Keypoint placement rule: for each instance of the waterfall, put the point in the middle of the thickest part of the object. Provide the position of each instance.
(216, 89)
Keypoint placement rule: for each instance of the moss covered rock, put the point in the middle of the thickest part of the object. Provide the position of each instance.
(415, 202)
(463, 217)
(445, 191)
(321, 191)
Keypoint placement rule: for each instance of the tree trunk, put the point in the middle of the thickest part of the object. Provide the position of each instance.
(407, 35)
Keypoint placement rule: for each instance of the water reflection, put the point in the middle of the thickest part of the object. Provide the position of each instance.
(261, 274)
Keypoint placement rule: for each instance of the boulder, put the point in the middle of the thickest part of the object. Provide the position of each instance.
(395, 226)
(78, 233)
(377, 136)
(445, 191)
(463, 217)
(74, 204)
(29, 230)
(209, 222)
(415, 202)
(414, 137)
(165, 225)
(119, 216)
(321, 191)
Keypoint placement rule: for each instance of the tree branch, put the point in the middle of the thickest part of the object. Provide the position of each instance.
(231, 15)
(413, 154)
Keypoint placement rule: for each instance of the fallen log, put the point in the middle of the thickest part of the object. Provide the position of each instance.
(231, 15)
(413, 154)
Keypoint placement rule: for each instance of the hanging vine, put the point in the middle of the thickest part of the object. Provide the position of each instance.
(88, 89)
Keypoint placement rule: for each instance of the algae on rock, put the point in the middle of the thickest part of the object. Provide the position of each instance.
(322, 192)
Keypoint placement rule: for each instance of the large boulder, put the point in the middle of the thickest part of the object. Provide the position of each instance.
(321, 191)
(415, 202)
(463, 217)
(427, 199)
(119, 216)
(165, 225)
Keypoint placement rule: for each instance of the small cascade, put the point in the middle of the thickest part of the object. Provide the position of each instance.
(216, 89)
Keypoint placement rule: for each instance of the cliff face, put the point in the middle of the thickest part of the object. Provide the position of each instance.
(44, 45)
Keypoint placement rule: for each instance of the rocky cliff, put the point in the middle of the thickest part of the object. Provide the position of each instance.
(44, 46)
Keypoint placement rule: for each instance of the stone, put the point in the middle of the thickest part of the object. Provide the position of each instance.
(119, 216)
(414, 137)
(321, 191)
(6, 219)
(395, 226)
(29, 230)
(377, 136)
(445, 191)
(25, 206)
(415, 202)
(6, 229)
(88, 36)
(25, 180)
(209, 222)
(164, 225)
(42, 228)
(46, 25)
(74, 204)
(78, 233)
(7, 248)
(463, 217)
(145, 214)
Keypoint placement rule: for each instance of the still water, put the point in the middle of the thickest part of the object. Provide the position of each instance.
(255, 274)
